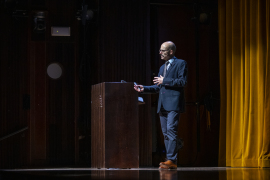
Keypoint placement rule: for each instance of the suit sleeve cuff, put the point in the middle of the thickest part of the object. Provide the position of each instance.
(167, 82)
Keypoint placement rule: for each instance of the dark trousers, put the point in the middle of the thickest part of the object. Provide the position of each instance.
(169, 125)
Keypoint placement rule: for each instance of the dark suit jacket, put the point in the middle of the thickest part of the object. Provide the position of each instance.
(171, 91)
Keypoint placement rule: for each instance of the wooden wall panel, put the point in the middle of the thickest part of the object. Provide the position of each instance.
(51, 119)
(54, 113)
(13, 87)
(37, 57)
(61, 105)
(87, 74)
(124, 40)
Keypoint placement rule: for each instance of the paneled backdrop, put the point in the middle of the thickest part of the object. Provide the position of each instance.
(47, 122)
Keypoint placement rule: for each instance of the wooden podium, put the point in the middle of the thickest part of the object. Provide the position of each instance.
(114, 126)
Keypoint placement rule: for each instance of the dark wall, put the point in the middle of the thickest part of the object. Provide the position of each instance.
(121, 42)
(13, 86)
(29, 97)
(54, 104)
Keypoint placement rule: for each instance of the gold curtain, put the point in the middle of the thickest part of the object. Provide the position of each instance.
(244, 83)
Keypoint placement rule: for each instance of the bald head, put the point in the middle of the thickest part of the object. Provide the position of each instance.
(167, 50)
(170, 45)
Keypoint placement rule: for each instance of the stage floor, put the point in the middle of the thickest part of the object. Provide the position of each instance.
(186, 173)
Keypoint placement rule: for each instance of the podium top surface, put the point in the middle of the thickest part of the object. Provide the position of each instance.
(114, 83)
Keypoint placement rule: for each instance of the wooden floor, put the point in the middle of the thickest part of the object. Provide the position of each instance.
(198, 173)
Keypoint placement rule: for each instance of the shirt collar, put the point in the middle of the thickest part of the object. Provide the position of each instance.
(171, 60)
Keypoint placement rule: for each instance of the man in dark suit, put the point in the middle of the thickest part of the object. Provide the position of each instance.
(169, 83)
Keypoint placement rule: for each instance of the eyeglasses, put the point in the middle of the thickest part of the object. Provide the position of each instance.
(163, 50)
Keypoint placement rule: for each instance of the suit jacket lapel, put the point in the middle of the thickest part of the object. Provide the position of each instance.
(163, 70)
(172, 64)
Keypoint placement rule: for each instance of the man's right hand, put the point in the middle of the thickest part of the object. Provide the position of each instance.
(139, 88)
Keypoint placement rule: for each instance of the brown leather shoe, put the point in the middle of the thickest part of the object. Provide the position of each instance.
(163, 162)
(163, 167)
(168, 165)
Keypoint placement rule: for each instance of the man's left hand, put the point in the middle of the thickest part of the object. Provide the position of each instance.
(158, 80)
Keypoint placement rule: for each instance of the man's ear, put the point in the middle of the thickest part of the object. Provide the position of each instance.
(171, 52)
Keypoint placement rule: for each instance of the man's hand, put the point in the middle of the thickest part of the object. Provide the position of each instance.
(158, 80)
(139, 88)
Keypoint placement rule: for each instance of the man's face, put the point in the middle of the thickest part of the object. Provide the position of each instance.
(165, 53)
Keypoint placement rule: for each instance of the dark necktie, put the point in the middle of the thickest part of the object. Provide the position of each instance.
(165, 68)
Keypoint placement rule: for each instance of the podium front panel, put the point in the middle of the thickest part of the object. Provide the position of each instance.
(114, 126)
